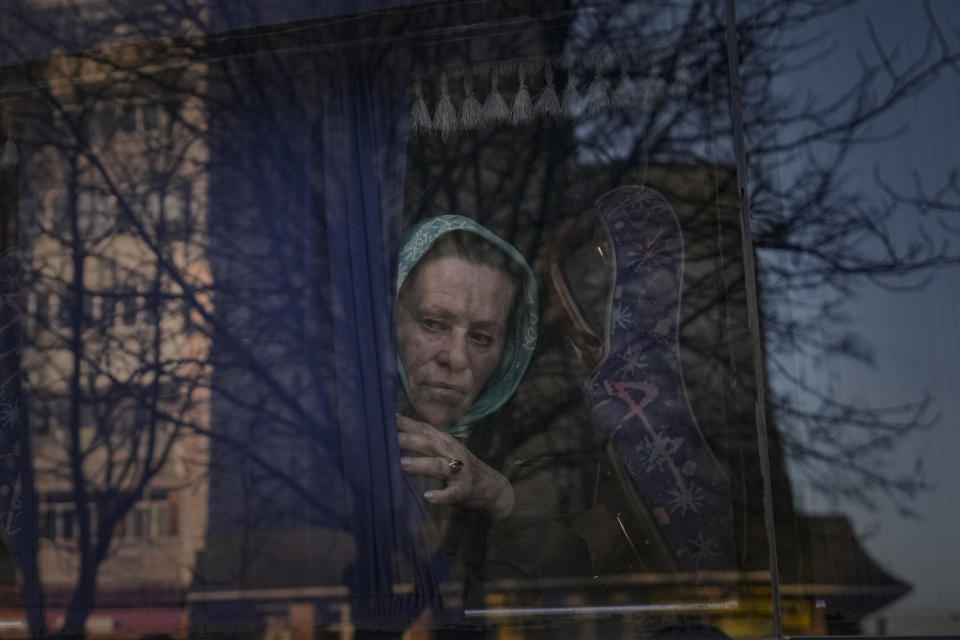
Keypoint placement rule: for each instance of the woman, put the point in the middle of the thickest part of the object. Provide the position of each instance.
(467, 315)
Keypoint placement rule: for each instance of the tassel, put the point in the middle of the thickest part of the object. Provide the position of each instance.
(471, 111)
(495, 109)
(627, 95)
(445, 117)
(522, 105)
(598, 95)
(653, 90)
(547, 102)
(419, 114)
(571, 104)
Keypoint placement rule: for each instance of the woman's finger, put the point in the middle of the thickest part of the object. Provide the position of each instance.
(409, 425)
(453, 494)
(429, 445)
(423, 466)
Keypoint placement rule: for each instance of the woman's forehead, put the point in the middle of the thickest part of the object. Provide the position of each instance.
(453, 285)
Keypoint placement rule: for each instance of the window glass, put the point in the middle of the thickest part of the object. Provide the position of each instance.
(434, 317)
(853, 191)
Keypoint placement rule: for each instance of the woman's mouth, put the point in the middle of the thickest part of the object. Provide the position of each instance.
(444, 387)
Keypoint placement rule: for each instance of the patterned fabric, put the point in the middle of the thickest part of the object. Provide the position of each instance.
(637, 395)
(516, 357)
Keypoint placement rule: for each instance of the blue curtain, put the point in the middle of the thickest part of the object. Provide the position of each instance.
(307, 185)
(364, 140)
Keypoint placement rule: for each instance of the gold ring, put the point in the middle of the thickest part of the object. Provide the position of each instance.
(455, 465)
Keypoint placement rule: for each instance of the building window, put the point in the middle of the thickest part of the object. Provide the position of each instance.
(63, 311)
(104, 121)
(96, 211)
(154, 307)
(66, 524)
(130, 309)
(43, 308)
(140, 522)
(86, 303)
(152, 118)
(48, 523)
(128, 118)
(108, 311)
(167, 519)
(40, 416)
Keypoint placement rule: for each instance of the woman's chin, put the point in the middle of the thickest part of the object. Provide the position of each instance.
(439, 417)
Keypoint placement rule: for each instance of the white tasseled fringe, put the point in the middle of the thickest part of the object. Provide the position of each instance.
(471, 111)
(597, 99)
(571, 104)
(522, 104)
(495, 109)
(419, 114)
(547, 102)
(445, 119)
(630, 92)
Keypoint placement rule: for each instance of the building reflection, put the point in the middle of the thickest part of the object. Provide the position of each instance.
(163, 469)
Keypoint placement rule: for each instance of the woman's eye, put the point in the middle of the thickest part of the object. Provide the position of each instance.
(482, 339)
(433, 325)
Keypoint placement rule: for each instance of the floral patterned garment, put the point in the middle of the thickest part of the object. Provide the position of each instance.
(637, 395)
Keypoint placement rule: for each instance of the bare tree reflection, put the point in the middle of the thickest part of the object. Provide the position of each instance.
(151, 320)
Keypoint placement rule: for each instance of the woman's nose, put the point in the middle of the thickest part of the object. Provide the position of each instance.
(454, 351)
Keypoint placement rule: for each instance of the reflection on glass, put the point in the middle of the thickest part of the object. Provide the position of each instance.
(208, 236)
(853, 189)
(208, 205)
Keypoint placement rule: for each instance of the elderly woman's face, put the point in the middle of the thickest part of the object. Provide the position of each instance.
(451, 328)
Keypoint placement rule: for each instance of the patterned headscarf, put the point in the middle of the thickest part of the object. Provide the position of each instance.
(521, 338)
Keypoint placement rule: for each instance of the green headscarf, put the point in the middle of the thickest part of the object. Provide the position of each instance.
(522, 338)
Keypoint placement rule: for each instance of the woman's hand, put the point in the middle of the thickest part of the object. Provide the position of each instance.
(475, 485)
